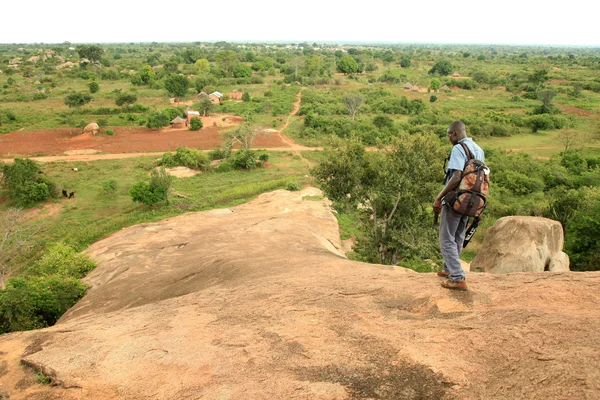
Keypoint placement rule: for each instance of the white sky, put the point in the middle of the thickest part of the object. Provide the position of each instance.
(574, 22)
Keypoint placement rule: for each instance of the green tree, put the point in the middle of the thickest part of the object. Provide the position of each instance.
(147, 75)
(242, 71)
(125, 100)
(353, 102)
(77, 99)
(443, 68)
(202, 65)
(539, 76)
(205, 106)
(545, 96)
(246, 96)
(24, 184)
(157, 120)
(227, 59)
(405, 61)
(177, 85)
(195, 124)
(435, 84)
(383, 121)
(390, 190)
(94, 86)
(155, 191)
(347, 65)
(171, 67)
(91, 52)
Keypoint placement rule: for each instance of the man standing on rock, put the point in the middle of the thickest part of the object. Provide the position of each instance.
(452, 224)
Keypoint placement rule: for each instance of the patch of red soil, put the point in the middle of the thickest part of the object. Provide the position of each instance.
(125, 140)
(574, 110)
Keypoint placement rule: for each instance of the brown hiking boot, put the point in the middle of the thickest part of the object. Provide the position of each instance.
(456, 285)
(443, 274)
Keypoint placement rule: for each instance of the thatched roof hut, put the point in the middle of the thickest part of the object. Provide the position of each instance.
(178, 122)
(408, 86)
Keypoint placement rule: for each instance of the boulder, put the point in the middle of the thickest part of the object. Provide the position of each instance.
(91, 128)
(522, 244)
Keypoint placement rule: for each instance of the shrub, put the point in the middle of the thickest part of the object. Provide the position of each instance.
(157, 190)
(244, 159)
(246, 96)
(195, 124)
(109, 187)
(94, 87)
(39, 96)
(109, 132)
(263, 157)
(292, 186)
(219, 153)
(224, 167)
(62, 260)
(24, 184)
(157, 120)
(186, 157)
(77, 99)
(433, 99)
(41, 299)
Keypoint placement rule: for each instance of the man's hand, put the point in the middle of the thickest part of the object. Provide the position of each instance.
(437, 205)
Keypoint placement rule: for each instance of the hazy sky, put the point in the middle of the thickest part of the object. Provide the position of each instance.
(460, 21)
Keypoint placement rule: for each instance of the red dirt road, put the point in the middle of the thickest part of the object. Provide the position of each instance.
(125, 140)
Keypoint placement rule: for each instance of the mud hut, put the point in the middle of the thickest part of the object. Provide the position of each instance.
(178, 122)
(408, 86)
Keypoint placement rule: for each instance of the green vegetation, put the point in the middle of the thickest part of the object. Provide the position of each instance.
(24, 184)
(540, 102)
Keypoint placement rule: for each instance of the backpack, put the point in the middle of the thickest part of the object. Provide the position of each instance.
(470, 196)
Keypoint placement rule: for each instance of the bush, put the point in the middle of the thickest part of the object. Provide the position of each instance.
(219, 154)
(109, 187)
(94, 87)
(157, 190)
(77, 99)
(195, 124)
(292, 186)
(24, 184)
(433, 99)
(62, 260)
(263, 157)
(109, 132)
(244, 159)
(41, 299)
(158, 120)
(224, 167)
(186, 157)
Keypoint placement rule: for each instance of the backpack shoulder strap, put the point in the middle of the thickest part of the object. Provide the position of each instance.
(467, 151)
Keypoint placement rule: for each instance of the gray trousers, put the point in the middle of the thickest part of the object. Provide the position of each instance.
(452, 234)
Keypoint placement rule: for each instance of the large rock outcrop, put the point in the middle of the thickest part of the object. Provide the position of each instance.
(92, 128)
(257, 302)
(522, 244)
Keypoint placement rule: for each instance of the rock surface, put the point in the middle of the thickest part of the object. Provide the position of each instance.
(522, 244)
(258, 302)
(92, 128)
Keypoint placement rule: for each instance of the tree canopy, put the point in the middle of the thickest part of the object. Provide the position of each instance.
(177, 85)
(91, 52)
(443, 68)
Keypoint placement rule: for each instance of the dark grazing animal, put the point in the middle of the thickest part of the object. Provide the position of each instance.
(64, 193)
(72, 195)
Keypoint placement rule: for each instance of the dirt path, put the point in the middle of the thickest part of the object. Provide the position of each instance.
(131, 142)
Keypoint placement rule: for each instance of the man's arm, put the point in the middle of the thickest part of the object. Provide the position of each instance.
(451, 185)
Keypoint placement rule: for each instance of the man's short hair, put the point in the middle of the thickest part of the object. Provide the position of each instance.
(457, 126)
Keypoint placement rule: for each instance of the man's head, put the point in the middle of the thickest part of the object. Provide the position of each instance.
(456, 132)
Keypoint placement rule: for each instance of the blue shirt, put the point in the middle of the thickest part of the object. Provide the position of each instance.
(458, 157)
